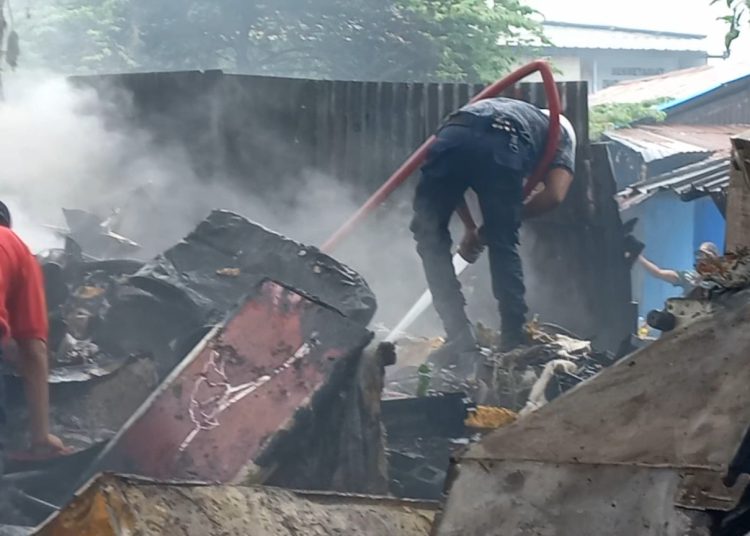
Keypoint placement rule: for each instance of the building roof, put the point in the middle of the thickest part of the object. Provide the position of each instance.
(677, 86)
(655, 142)
(689, 182)
(590, 36)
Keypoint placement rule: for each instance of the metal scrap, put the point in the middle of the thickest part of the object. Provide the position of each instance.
(252, 253)
(113, 505)
(219, 418)
(730, 272)
(719, 276)
(96, 235)
(422, 436)
(551, 365)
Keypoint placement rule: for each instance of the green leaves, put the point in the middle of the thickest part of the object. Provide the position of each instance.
(607, 117)
(734, 19)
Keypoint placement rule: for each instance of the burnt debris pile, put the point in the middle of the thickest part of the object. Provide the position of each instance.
(237, 355)
(523, 380)
(432, 413)
(237, 365)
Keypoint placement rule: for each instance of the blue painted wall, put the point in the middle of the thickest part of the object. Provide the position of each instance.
(710, 225)
(672, 231)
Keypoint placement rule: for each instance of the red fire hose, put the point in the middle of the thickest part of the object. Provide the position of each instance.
(416, 159)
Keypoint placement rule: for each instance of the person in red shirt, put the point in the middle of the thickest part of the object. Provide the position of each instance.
(23, 318)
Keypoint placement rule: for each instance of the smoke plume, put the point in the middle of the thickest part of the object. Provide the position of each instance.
(67, 147)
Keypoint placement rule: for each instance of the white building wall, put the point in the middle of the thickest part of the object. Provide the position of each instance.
(605, 67)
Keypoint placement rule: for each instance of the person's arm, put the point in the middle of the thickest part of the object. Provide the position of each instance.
(471, 245)
(29, 328)
(555, 190)
(670, 276)
(465, 214)
(32, 366)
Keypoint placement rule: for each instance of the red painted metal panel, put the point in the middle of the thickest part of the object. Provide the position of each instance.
(215, 415)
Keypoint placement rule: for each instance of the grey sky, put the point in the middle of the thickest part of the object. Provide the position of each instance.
(690, 16)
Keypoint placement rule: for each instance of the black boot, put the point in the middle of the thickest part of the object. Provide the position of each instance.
(456, 348)
(511, 339)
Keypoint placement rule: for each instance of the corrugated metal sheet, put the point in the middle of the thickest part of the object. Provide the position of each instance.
(728, 104)
(653, 146)
(690, 182)
(224, 413)
(356, 131)
(655, 142)
(679, 406)
(117, 505)
(588, 36)
(672, 139)
(678, 85)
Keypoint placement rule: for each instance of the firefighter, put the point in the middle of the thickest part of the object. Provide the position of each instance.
(489, 146)
(23, 318)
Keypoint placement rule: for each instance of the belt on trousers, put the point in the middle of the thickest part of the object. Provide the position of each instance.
(501, 124)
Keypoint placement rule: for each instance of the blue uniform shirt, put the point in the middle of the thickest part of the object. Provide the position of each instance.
(533, 126)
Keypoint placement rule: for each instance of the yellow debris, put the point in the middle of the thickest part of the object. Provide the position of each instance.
(88, 293)
(228, 272)
(487, 417)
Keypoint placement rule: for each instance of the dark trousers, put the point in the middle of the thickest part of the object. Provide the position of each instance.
(475, 157)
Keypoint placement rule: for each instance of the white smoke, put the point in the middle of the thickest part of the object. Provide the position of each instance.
(65, 147)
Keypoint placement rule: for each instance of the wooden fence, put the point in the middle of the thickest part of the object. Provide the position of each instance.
(261, 131)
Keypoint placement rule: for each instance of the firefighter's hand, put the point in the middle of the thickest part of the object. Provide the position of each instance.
(471, 246)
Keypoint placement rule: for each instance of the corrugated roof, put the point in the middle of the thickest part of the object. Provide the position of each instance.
(655, 142)
(688, 182)
(589, 36)
(679, 86)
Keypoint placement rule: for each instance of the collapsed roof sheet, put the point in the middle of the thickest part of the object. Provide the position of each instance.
(665, 422)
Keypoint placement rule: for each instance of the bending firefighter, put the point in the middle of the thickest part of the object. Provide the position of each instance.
(489, 146)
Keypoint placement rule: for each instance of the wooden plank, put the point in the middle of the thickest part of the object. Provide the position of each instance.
(738, 200)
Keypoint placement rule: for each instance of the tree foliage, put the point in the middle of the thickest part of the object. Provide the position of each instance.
(607, 117)
(363, 39)
(737, 11)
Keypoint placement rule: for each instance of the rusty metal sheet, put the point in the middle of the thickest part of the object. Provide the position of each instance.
(115, 505)
(218, 416)
(662, 140)
(540, 499)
